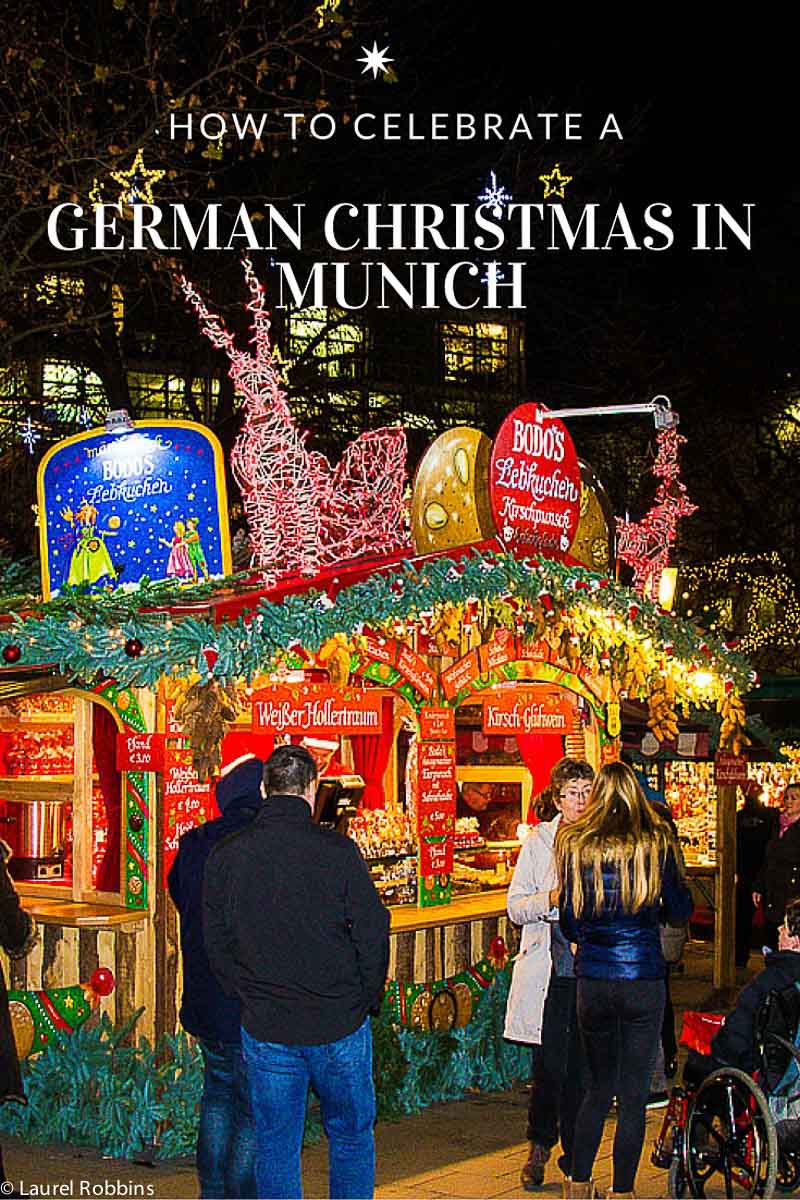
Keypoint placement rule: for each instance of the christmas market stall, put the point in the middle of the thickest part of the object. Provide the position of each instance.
(437, 657)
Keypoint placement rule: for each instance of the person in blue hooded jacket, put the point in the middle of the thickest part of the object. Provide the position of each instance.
(226, 1134)
(619, 874)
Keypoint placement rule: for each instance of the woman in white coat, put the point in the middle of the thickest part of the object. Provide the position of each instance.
(541, 1001)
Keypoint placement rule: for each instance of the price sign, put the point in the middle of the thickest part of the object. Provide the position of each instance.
(729, 770)
(437, 724)
(187, 800)
(140, 751)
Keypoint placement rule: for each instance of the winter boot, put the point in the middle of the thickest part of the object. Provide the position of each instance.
(532, 1176)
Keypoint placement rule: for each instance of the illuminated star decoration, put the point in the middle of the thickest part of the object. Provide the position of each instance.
(555, 182)
(495, 194)
(375, 60)
(137, 182)
(29, 435)
(324, 9)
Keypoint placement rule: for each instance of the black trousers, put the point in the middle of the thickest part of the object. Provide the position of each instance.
(620, 1025)
(745, 911)
(558, 1073)
(668, 1041)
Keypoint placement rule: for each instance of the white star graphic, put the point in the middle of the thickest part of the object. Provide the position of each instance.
(375, 60)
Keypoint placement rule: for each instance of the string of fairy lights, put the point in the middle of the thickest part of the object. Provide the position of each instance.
(769, 612)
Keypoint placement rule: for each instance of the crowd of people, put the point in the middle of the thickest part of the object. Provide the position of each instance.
(285, 946)
(592, 889)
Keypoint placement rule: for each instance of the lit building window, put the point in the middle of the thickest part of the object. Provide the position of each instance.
(330, 340)
(159, 394)
(72, 394)
(787, 426)
(56, 288)
(118, 308)
(482, 348)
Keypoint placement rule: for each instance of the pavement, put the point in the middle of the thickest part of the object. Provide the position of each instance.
(470, 1149)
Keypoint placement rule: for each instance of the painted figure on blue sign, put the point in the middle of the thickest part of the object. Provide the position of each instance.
(90, 559)
(179, 564)
(195, 549)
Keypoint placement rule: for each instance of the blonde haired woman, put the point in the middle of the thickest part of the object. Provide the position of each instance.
(619, 876)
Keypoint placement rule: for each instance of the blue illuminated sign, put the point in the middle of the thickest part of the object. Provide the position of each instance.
(148, 501)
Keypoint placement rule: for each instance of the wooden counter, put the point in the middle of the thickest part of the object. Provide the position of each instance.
(407, 917)
(427, 944)
(74, 915)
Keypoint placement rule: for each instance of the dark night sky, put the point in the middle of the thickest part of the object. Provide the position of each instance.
(708, 117)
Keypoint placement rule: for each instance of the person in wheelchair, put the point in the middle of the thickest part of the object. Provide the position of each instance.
(766, 1015)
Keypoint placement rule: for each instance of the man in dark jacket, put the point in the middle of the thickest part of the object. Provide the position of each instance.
(756, 825)
(226, 1135)
(779, 878)
(295, 928)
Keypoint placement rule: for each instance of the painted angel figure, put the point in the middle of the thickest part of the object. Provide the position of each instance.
(179, 564)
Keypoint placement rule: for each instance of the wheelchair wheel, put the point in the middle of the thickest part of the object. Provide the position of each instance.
(730, 1147)
(788, 1176)
(676, 1180)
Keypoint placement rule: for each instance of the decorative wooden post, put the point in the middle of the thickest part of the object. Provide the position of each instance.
(725, 891)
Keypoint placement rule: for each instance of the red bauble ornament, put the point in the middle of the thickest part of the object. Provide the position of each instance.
(210, 654)
(497, 952)
(134, 647)
(102, 981)
(633, 612)
(12, 653)
(728, 685)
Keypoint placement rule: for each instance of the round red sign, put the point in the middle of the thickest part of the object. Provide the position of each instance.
(535, 482)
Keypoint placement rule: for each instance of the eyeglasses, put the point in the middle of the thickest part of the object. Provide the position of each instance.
(576, 793)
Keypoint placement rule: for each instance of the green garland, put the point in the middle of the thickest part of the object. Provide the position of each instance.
(94, 1088)
(86, 636)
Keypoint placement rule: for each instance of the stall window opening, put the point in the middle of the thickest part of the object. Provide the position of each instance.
(61, 796)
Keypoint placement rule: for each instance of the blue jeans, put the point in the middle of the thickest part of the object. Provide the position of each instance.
(341, 1074)
(226, 1140)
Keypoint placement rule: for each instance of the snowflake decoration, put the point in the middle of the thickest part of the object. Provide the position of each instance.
(496, 195)
(30, 436)
(493, 273)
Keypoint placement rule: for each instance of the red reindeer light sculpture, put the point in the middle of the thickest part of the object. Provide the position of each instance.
(302, 513)
(645, 545)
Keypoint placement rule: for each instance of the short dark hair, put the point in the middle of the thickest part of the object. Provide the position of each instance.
(567, 769)
(564, 771)
(289, 770)
(792, 918)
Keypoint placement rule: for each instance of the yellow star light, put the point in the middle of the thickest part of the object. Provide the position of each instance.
(140, 191)
(555, 182)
